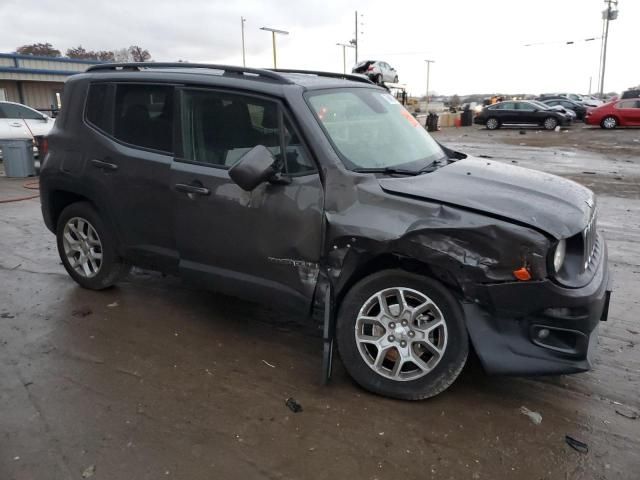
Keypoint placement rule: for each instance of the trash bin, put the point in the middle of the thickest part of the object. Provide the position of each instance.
(432, 122)
(467, 118)
(17, 156)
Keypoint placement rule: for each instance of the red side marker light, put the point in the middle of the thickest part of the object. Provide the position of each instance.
(522, 274)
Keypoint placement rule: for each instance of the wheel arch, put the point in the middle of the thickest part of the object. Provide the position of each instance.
(390, 261)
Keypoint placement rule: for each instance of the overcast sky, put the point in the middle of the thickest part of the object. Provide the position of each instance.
(478, 45)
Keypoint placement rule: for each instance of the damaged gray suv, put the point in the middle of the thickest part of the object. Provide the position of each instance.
(320, 193)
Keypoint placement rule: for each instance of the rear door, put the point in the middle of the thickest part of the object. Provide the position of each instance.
(628, 112)
(11, 126)
(262, 245)
(528, 113)
(129, 155)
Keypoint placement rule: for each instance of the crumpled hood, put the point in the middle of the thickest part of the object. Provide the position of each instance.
(546, 202)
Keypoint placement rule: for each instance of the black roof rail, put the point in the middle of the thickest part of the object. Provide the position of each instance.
(343, 76)
(226, 68)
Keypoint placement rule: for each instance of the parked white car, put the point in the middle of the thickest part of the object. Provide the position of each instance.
(591, 101)
(19, 121)
(377, 71)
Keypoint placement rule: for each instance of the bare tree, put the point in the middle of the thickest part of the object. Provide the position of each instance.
(138, 54)
(39, 49)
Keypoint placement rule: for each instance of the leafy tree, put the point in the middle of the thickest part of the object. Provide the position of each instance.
(454, 101)
(138, 54)
(39, 49)
(80, 52)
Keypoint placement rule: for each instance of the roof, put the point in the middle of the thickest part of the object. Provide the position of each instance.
(14, 66)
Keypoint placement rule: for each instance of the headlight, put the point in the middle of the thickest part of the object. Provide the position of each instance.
(559, 254)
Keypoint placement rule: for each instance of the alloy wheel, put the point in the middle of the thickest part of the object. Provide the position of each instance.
(492, 124)
(609, 122)
(82, 247)
(401, 334)
(550, 123)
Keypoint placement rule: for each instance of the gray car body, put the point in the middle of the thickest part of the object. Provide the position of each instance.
(467, 224)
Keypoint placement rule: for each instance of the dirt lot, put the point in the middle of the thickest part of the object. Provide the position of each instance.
(154, 379)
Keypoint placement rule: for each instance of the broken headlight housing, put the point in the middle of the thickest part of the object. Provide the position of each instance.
(559, 255)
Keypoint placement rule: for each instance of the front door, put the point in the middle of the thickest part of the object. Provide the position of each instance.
(262, 245)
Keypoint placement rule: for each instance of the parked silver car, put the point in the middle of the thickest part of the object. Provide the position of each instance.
(377, 71)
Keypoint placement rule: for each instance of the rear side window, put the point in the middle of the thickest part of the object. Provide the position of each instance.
(97, 109)
(143, 116)
(13, 111)
(219, 128)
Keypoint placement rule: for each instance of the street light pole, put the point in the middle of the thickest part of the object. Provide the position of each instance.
(242, 20)
(273, 39)
(429, 62)
(344, 55)
(356, 42)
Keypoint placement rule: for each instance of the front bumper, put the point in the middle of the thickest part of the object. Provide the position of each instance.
(539, 328)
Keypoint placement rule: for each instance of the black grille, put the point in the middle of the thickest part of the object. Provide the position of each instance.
(589, 235)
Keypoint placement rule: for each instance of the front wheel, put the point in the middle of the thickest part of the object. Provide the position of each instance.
(395, 79)
(609, 122)
(550, 123)
(87, 248)
(402, 335)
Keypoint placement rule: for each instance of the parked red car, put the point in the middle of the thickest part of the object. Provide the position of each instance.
(621, 113)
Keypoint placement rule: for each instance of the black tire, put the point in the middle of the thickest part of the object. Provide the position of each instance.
(609, 122)
(378, 79)
(395, 79)
(550, 123)
(492, 123)
(443, 373)
(112, 267)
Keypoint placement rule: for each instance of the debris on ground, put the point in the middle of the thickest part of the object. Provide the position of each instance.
(82, 312)
(7, 315)
(632, 332)
(268, 364)
(589, 173)
(522, 132)
(630, 414)
(294, 406)
(557, 129)
(577, 445)
(114, 304)
(89, 471)
(484, 156)
(535, 417)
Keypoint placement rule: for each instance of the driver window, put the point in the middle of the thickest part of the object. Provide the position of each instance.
(218, 128)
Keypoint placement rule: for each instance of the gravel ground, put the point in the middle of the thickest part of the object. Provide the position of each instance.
(155, 379)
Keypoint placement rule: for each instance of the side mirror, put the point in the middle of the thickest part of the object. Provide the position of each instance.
(253, 168)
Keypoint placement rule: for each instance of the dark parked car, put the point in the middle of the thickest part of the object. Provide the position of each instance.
(578, 108)
(631, 93)
(325, 196)
(520, 113)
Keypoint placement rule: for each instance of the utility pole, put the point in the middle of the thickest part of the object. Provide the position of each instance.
(590, 78)
(608, 15)
(344, 55)
(242, 20)
(356, 42)
(273, 39)
(429, 62)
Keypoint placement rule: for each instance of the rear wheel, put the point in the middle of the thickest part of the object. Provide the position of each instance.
(609, 122)
(87, 248)
(395, 79)
(550, 123)
(378, 79)
(493, 123)
(402, 335)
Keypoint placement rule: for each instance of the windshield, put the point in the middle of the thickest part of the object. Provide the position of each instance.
(371, 130)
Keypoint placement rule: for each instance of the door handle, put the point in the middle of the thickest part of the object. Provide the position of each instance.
(104, 165)
(16, 124)
(192, 189)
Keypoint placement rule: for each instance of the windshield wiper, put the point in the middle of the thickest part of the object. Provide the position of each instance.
(388, 170)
